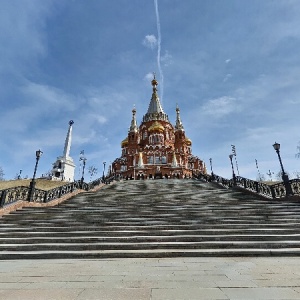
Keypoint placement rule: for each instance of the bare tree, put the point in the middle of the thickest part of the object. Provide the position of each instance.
(278, 175)
(261, 177)
(296, 174)
(270, 174)
(1, 174)
(92, 171)
(297, 155)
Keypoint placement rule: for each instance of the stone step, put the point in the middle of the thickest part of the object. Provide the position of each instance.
(148, 238)
(153, 219)
(150, 245)
(153, 253)
(96, 230)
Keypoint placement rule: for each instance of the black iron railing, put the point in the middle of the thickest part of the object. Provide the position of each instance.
(14, 194)
(11, 195)
(277, 190)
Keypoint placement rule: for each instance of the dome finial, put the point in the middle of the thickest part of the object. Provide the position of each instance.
(154, 82)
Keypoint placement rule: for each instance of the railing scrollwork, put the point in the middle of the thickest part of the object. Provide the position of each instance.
(12, 195)
(277, 190)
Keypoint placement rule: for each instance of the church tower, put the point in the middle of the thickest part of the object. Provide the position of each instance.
(156, 149)
(64, 167)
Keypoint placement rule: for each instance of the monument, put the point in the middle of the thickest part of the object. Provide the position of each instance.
(64, 167)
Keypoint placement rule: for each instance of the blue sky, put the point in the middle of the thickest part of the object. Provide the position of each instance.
(233, 67)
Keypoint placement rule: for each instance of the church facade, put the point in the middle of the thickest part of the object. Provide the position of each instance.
(156, 148)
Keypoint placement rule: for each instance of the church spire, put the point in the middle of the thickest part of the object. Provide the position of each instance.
(155, 105)
(133, 125)
(155, 110)
(178, 125)
(68, 141)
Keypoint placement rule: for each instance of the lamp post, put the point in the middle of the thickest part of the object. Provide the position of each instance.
(210, 162)
(285, 177)
(104, 163)
(38, 155)
(110, 169)
(83, 167)
(233, 174)
(211, 168)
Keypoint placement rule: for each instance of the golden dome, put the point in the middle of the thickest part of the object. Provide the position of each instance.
(188, 141)
(124, 143)
(156, 126)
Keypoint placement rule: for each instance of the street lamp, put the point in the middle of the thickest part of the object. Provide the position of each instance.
(210, 162)
(233, 174)
(104, 163)
(285, 177)
(38, 155)
(84, 161)
(212, 173)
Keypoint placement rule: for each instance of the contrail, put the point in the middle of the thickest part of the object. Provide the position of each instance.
(161, 75)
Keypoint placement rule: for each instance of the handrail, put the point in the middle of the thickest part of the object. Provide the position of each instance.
(14, 194)
(277, 190)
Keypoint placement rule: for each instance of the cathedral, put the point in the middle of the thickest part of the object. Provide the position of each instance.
(156, 149)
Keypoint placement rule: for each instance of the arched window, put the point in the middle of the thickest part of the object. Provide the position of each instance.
(150, 159)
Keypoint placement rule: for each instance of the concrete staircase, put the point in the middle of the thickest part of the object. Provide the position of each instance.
(154, 218)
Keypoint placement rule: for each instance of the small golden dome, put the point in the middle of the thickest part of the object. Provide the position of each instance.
(156, 126)
(154, 82)
(188, 141)
(124, 143)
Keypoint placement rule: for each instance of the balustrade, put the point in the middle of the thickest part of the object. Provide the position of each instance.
(277, 190)
(11, 195)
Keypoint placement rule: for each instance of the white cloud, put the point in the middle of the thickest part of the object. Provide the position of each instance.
(148, 77)
(227, 61)
(166, 59)
(221, 106)
(48, 95)
(100, 119)
(150, 41)
(227, 77)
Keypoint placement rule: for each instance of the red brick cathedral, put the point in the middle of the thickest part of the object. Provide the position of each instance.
(157, 149)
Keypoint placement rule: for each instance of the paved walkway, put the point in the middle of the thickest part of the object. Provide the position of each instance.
(152, 279)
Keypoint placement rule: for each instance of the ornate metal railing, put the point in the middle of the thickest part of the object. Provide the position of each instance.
(14, 194)
(277, 190)
(295, 185)
(11, 195)
(227, 183)
(255, 186)
(61, 191)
